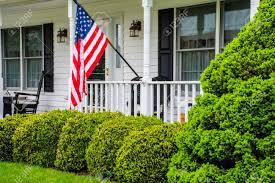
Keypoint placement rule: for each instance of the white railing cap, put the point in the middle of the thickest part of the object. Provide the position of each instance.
(141, 82)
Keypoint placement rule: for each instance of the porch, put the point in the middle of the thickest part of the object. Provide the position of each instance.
(172, 43)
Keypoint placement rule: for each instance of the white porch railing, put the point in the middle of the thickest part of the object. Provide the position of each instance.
(170, 101)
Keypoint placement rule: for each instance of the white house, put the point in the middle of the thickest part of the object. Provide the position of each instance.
(177, 40)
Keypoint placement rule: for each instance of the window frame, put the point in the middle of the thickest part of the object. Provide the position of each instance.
(178, 51)
(221, 36)
(22, 59)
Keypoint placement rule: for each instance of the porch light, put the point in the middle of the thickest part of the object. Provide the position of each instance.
(62, 35)
(135, 28)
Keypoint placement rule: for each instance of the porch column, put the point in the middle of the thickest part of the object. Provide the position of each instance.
(71, 11)
(254, 4)
(147, 5)
(218, 22)
(1, 71)
(145, 92)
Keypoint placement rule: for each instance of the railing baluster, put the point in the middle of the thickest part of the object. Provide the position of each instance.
(165, 103)
(101, 97)
(130, 100)
(106, 97)
(91, 97)
(179, 103)
(135, 100)
(86, 104)
(193, 94)
(172, 94)
(186, 102)
(152, 99)
(201, 91)
(123, 98)
(96, 97)
(112, 98)
(117, 97)
(158, 100)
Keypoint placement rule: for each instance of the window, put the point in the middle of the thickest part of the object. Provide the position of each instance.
(196, 35)
(32, 39)
(195, 41)
(235, 15)
(11, 57)
(28, 60)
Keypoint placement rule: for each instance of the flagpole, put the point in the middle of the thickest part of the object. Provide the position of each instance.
(117, 51)
(72, 28)
(124, 59)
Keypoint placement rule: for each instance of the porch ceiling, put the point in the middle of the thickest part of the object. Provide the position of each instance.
(8, 3)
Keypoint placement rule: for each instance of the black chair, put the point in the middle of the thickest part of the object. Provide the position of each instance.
(27, 103)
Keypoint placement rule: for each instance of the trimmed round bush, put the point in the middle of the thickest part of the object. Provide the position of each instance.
(74, 139)
(231, 129)
(145, 155)
(108, 138)
(7, 128)
(36, 142)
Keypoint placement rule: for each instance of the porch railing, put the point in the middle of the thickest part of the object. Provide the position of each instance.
(170, 101)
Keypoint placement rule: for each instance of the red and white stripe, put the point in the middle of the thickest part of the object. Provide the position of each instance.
(86, 55)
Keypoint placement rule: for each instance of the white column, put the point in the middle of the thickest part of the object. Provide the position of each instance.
(254, 4)
(145, 90)
(1, 71)
(218, 30)
(71, 16)
(147, 5)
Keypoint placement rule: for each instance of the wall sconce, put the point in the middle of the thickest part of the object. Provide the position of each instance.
(135, 28)
(62, 35)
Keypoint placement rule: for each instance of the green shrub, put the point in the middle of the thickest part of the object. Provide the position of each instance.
(108, 138)
(35, 142)
(145, 155)
(251, 54)
(206, 173)
(250, 170)
(7, 128)
(238, 124)
(232, 126)
(74, 139)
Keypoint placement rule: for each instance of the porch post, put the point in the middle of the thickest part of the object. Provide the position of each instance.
(145, 92)
(147, 5)
(71, 30)
(1, 71)
(254, 4)
(218, 22)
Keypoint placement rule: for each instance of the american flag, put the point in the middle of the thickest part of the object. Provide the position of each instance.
(89, 46)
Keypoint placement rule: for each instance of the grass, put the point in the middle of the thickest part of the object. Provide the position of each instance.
(20, 173)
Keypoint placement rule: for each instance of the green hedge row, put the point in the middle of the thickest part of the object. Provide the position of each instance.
(75, 137)
(35, 141)
(104, 144)
(107, 140)
(7, 129)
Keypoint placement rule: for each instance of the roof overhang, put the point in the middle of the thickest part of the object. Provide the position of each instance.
(9, 3)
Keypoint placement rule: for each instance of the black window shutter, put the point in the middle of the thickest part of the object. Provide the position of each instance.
(166, 33)
(48, 57)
